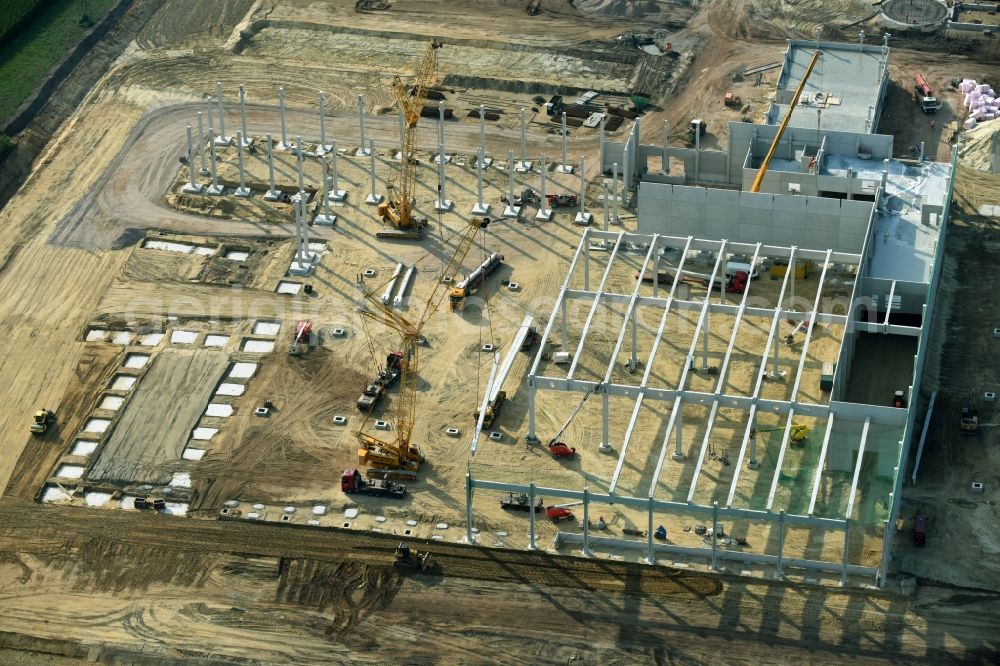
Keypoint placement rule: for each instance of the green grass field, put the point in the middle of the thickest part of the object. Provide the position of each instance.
(14, 11)
(27, 56)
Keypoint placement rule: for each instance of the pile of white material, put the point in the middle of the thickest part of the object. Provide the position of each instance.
(980, 100)
(980, 147)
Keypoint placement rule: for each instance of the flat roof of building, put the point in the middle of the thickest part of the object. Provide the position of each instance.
(846, 81)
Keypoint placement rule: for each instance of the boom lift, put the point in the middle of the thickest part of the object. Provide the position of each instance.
(398, 210)
(798, 432)
(398, 458)
(561, 449)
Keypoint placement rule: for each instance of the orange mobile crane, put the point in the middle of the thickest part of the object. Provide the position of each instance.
(398, 209)
(400, 459)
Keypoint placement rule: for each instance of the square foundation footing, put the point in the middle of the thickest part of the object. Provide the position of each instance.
(481, 209)
(244, 192)
(444, 206)
(583, 218)
(564, 168)
(281, 145)
(373, 199)
(337, 196)
(193, 189)
(753, 464)
(322, 150)
(272, 195)
(247, 142)
(223, 140)
(512, 211)
(325, 220)
(487, 161)
(678, 456)
(215, 190)
(544, 214)
(362, 152)
(439, 157)
(523, 167)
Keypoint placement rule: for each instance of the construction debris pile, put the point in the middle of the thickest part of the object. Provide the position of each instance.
(980, 100)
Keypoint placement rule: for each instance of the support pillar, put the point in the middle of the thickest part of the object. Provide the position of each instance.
(544, 212)
(715, 535)
(614, 190)
(776, 343)
(443, 205)
(323, 148)
(523, 165)
(373, 198)
(697, 152)
(626, 173)
(665, 161)
(605, 183)
(326, 218)
(605, 445)
(305, 260)
(201, 146)
(281, 115)
(272, 194)
(243, 117)
(586, 522)
(847, 552)
(335, 193)
(510, 210)
(486, 161)
(222, 139)
(564, 166)
(208, 118)
(634, 360)
(531, 516)
(600, 155)
(362, 151)
(442, 156)
(469, 536)
(192, 187)
(242, 190)
(650, 553)
(679, 430)
(582, 216)
(704, 342)
(298, 166)
(780, 572)
(480, 207)
(752, 458)
(531, 438)
(215, 189)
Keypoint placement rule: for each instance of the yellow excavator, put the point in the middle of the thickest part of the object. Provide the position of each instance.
(398, 209)
(43, 419)
(399, 459)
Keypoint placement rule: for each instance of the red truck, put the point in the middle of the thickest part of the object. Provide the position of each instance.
(928, 102)
(562, 200)
(352, 482)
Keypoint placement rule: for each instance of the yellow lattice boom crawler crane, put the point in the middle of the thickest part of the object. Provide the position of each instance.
(399, 458)
(398, 209)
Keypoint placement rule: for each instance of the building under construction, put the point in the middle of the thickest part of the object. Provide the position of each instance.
(766, 347)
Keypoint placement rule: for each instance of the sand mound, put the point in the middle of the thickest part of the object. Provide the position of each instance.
(979, 147)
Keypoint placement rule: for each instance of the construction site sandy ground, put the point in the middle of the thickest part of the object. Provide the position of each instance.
(127, 306)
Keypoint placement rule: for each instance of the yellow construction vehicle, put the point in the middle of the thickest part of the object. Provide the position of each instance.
(398, 458)
(797, 433)
(411, 558)
(398, 209)
(969, 425)
(43, 419)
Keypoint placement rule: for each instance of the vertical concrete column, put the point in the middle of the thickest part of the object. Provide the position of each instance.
(531, 516)
(326, 218)
(208, 118)
(480, 207)
(582, 217)
(626, 172)
(511, 210)
(650, 554)
(361, 127)
(299, 156)
(442, 205)
(243, 115)
(544, 212)
(215, 188)
(192, 187)
(374, 198)
(605, 420)
(441, 156)
(469, 536)
(697, 152)
(201, 146)
(272, 193)
(780, 572)
(600, 156)
(586, 521)
(482, 132)
(666, 141)
(605, 184)
(281, 115)
(222, 139)
(523, 166)
(921, 151)
(336, 194)
(777, 341)
(715, 535)
(704, 340)
(323, 148)
(635, 333)
(614, 191)
(679, 430)
(242, 190)
(847, 551)
(531, 437)
(564, 166)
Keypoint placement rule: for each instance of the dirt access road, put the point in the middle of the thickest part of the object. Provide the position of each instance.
(91, 582)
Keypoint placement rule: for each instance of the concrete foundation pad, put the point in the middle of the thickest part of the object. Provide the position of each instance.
(373, 199)
(223, 140)
(215, 190)
(444, 206)
(244, 192)
(272, 195)
(544, 214)
(487, 161)
(678, 455)
(481, 210)
(337, 196)
(299, 195)
(281, 145)
(438, 158)
(247, 142)
(325, 220)
(362, 152)
(753, 464)
(193, 189)
(301, 268)
(322, 150)
(583, 218)
(512, 211)
(564, 168)
(523, 167)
